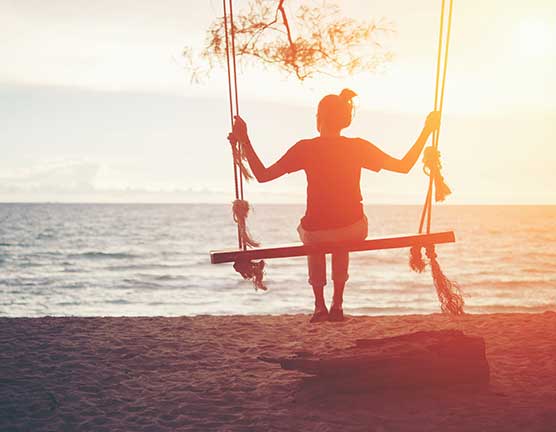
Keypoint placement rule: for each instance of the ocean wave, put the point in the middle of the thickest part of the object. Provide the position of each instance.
(168, 278)
(116, 301)
(74, 270)
(377, 259)
(140, 267)
(68, 303)
(46, 236)
(159, 257)
(510, 284)
(538, 270)
(29, 264)
(500, 308)
(141, 284)
(102, 255)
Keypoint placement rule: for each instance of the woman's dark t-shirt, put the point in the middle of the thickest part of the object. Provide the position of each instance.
(333, 169)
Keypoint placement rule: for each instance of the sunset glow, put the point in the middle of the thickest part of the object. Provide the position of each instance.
(131, 110)
(278, 215)
(537, 39)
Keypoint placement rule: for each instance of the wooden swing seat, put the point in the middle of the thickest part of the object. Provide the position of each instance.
(297, 249)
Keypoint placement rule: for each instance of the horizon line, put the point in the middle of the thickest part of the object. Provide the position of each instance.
(271, 203)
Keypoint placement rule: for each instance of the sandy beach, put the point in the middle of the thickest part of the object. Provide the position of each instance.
(202, 373)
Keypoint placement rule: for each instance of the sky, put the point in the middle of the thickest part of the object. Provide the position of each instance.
(96, 103)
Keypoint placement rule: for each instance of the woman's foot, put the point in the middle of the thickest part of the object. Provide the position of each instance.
(336, 314)
(320, 315)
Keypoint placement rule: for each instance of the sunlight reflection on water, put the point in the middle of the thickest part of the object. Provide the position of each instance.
(153, 260)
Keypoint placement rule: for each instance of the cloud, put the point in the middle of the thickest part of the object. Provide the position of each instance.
(58, 175)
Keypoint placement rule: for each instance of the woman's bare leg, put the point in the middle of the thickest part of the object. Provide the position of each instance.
(317, 279)
(320, 304)
(340, 264)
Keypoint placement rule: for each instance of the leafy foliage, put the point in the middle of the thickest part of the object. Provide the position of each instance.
(317, 40)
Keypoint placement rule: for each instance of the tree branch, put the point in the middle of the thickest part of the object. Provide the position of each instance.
(326, 43)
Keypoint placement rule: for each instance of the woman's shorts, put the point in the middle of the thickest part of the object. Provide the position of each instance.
(354, 232)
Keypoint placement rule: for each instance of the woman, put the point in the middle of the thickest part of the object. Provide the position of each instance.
(333, 165)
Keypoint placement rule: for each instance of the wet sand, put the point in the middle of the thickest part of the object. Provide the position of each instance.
(202, 373)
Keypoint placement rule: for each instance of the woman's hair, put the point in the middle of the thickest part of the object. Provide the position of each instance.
(336, 110)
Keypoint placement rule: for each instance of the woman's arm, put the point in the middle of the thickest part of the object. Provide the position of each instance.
(405, 164)
(261, 173)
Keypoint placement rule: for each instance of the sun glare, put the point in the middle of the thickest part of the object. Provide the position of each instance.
(536, 38)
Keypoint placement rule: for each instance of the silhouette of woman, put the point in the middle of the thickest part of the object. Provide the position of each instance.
(333, 166)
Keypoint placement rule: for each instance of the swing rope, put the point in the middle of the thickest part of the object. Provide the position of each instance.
(448, 292)
(249, 270)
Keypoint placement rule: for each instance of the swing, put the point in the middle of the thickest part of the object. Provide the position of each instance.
(296, 250)
(447, 291)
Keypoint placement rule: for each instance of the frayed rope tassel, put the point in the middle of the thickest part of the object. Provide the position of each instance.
(240, 158)
(240, 209)
(253, 271)
(249, 270)
(448, 292)
(433, 167)
(416, 261)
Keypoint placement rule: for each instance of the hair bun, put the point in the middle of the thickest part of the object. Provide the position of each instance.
(347, 95)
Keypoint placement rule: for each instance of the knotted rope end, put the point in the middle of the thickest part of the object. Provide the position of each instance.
(253, 271)
(240, 210)
(442, 190)
(432, 167)
(416, 261)
(239, 160)
(448, 292)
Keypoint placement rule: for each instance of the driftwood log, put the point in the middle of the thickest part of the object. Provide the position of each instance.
(425, 358)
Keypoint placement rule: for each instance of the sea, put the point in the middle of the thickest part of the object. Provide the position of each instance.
(153, 260)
